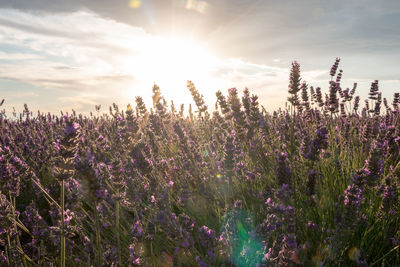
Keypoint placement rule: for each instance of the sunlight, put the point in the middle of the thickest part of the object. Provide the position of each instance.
(170, 62)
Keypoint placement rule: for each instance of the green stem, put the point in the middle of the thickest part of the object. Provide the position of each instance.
(12, 201)
(118, 234)
(292, 148)
(44, 191)
(99, 253)
(9, 248)
(39, 255)
(62, 259)
(393, 249)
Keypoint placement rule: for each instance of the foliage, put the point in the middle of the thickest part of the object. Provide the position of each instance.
(236, 187)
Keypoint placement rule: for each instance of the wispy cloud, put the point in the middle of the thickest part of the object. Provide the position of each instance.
(17, 56)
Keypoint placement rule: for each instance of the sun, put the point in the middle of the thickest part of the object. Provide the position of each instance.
(170, 59)
(170, 62)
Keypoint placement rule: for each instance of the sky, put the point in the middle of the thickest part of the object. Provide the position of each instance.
(62, 55)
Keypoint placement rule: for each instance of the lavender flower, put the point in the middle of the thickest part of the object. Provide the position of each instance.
(334, 67)
(294, 83)
(283, 172)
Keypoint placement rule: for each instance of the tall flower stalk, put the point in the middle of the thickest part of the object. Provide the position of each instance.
(64, 170)
(294, 84)
(294, 88)
(62, 253)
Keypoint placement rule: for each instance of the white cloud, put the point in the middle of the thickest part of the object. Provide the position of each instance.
(17, 56)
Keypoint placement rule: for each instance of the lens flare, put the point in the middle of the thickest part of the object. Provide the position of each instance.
(196, 5)
(135, 4)
(166, 260)
(354, 253)
(317, 259)
(129, 107)
(200, 6)
(240, 238)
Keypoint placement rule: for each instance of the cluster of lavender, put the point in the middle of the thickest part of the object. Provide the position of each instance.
(316, 184)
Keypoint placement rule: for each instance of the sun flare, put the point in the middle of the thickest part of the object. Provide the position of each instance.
(170, 62)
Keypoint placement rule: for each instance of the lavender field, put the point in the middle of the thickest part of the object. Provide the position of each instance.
(314, 184)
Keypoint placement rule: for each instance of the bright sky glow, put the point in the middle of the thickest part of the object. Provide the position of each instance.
(166, 60)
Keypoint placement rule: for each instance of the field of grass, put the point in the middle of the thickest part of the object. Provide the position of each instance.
(316, 184)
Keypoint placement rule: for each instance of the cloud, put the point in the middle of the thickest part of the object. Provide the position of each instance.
(25, 94)
(7, 23)
(17, 56)
(64, 67)
(69, 51)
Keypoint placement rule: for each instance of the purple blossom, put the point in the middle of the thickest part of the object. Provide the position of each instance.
(71, 128)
